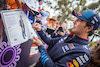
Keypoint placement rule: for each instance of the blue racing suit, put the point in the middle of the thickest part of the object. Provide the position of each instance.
(64, 51)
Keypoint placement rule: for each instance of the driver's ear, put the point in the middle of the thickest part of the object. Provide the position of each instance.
(89, 28)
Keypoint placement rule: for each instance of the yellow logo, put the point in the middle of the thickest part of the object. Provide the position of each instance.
(75, 63)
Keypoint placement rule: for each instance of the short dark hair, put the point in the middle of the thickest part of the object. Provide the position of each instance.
(95, 59)
(90, 32)
(3, 4)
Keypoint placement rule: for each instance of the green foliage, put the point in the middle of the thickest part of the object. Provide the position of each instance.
(77, 9)
(82, 2)
(98, 30)
(70, 30)
(66, 6)
(92, 44)
(92, 6)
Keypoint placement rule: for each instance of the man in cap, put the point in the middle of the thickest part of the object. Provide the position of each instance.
(30, 7)
(71, 50)
(60, 31)
(52, 22)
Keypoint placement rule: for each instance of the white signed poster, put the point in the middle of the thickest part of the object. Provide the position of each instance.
(17, 26)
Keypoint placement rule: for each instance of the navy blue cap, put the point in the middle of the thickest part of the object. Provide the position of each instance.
(88, 16)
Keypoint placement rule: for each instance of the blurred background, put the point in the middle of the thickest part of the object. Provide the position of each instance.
(63, 9)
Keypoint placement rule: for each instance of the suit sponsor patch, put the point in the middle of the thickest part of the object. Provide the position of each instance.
(71, 46)
(68, 47)
(78, 61)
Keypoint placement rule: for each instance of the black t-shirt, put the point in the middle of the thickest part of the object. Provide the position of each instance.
(17, 56)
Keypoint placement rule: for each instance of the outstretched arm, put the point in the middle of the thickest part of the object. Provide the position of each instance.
(50, 41)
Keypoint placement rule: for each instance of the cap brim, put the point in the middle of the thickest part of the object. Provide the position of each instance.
(79, 15)
(53, 19)
(33, 6)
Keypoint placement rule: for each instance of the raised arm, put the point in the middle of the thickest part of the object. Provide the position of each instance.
(44, 37)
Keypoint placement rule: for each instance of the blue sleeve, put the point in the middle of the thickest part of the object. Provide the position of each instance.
(69, 60)
(48, 40)
(46, 60)
(53, 35)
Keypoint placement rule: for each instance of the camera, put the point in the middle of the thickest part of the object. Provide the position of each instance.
(61, 29)
(38, 21)
(50, 30)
